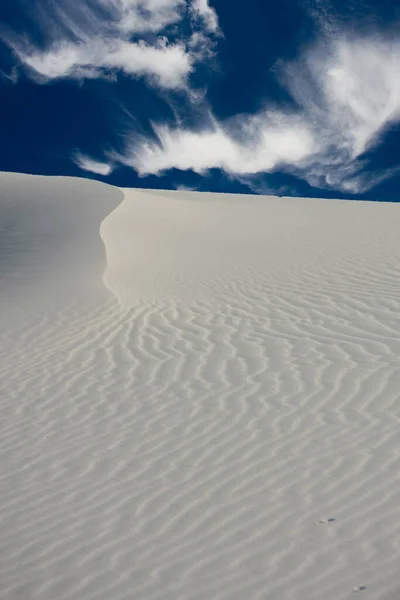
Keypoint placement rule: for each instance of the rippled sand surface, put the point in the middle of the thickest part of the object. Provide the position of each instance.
(199, 395)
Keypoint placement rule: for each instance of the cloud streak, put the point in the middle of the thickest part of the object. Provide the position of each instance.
(165, 65)
(347, 92)
(86, 163)
(202, 9)
(345, 89)
(259, 144)
(129, 36)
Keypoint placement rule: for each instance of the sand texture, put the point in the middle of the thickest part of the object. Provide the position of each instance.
(199, 394)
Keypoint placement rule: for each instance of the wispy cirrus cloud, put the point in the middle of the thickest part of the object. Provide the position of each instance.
(345, 88)
(202, 9)
(165, 65)
(347, 91)
(100, 37)
(86, 163)
(243, 146)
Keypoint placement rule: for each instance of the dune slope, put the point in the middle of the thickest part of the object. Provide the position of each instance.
(199, 395)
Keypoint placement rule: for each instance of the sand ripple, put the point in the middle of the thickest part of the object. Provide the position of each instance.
(228, 429)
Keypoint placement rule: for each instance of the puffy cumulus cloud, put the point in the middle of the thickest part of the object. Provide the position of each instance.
(86, 163)
(100, 37)
(347, 92)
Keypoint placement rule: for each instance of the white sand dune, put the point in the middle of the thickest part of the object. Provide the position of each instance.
(200, 395)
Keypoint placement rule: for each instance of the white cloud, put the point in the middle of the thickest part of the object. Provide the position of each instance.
(94, 39)
(170, 64)
(202, 9)
(167, 65)
(62, 61)
(141, 16)
(348, 93)
(93, 166)
(185, 188)
(346, 89)
(262, 143)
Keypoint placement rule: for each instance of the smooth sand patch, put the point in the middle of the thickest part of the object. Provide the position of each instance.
(199, 395)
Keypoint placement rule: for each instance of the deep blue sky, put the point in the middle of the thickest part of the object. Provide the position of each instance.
(290, 97)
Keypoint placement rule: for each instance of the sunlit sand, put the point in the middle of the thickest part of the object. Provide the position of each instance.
(200, 395)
